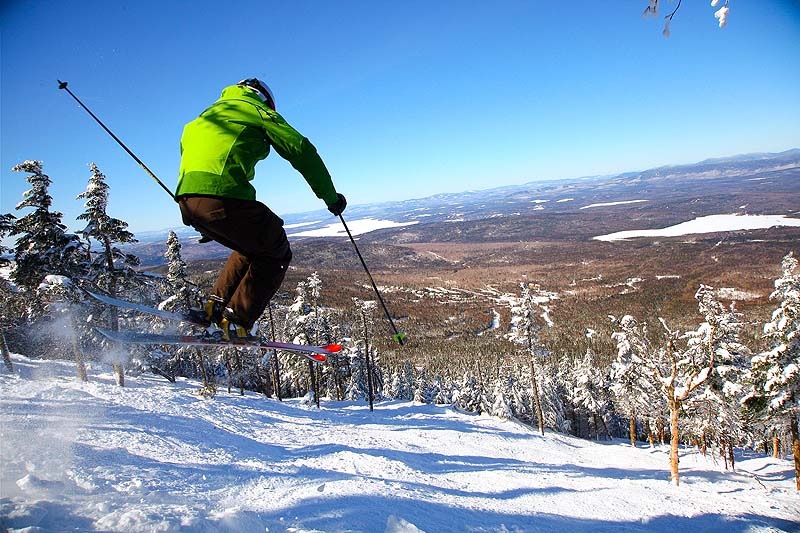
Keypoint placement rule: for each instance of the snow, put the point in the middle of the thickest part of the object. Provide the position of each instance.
(357, 227)
(609, 204)
(707, 224)
(301, 224)
(155, 456)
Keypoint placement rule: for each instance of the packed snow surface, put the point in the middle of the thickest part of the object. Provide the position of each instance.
(155, 456)
(707, 224)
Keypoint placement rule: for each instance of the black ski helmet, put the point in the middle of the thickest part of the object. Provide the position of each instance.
(262, 89)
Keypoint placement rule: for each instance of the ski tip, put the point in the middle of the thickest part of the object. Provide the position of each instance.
(320, 358)
(333, 348)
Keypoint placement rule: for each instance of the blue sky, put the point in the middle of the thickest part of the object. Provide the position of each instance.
(402, 99)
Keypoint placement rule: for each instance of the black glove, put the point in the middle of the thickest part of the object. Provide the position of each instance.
(337, 207)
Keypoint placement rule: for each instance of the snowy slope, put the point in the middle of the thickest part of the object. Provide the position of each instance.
(154, 456)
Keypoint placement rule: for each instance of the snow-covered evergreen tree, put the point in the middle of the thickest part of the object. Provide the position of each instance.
(42, 244)
(633, 391)
(776, 372)
(308, 323)
(402, 385)
(184, 293)
(716, 406)
(364, 365)
(526, 311)
(111, 269)
(590, 391)
(6, 225)
(470, 395)
(10, 304)
(502, 394)
(680, 373)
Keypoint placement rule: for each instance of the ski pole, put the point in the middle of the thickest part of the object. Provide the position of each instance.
(398, 336)
(63, 85)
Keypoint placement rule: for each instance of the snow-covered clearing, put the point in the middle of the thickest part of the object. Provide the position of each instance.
(610, 204)
(154, 456)
(357, 227)
(707, 224)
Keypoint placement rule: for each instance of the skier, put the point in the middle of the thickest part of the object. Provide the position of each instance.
(219, 152)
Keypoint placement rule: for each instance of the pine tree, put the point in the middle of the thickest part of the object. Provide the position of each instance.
(402, 386)
(111, 269)
(43, 246)
(775, 373)
(308, 323)
(469, 394)
(6, 225)
(680, 373)
(365, 360)
(717, 403)
(181, 294)
(186, 293)
(633, 393)
(501, 407)
(525, 332)
(590, 390)
(9, 311)
(112, 266)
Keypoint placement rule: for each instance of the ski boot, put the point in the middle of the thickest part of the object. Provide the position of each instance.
(231, 330)
(210, 314)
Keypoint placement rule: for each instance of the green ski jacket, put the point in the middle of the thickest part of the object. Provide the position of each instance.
(220, 149)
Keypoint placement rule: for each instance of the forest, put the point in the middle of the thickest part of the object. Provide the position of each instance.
(719, 384)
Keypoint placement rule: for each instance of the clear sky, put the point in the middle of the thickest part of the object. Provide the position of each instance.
(402, 99)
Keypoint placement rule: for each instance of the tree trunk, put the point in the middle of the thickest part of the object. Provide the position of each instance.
(674, 407)
(201, 366)
(632, 429)
(80, 366)
(6, 352)
(276, 375)
(276, 366)
(723, 452)
(605, 428)
(119, 372)
(313, 377)
(662, 433)
(228, 369)
(537, 405)
(368, 361)
(730, 455)
(776, 447)
(796, 450)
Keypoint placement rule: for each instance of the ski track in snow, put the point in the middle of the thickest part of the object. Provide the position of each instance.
(154, 456)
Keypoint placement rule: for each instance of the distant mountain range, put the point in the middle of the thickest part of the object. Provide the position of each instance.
(572, 208)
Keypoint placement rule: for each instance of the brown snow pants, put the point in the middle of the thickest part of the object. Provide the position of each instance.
(261, 254)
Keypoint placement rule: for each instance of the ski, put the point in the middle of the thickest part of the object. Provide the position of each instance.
(315, 353)
(166, 315)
